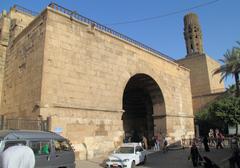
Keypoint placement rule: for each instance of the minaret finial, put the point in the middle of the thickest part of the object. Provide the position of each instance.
(192, 34)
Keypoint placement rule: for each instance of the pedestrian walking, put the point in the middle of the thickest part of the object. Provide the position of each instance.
(19, 156)
(165, 144)
(153, 143)
(220, 139)
(195, 155)
(234, 142)
(157, 144)
(144, 142)
(211, 137)
(235, 158)
(205, 143)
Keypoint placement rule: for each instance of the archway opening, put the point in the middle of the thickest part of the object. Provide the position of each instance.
(142, 102)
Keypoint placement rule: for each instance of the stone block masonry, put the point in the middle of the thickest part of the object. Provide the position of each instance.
(85, 81)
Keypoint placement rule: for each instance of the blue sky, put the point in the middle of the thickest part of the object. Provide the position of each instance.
(219, 21)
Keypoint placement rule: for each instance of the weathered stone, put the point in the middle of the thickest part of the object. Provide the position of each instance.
(80, 81)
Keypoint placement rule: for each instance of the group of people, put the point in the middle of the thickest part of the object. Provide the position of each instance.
(198, 160)
(215, 140)
(156, 143)
(159, 143)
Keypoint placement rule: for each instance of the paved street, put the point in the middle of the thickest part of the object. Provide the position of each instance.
(171, 159)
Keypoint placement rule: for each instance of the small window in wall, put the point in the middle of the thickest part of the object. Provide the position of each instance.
(61, 145)
(13, 143)
(40, 147)
(191, 46)
(0, 33)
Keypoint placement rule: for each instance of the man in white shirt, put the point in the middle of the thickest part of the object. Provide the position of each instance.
(19, 156)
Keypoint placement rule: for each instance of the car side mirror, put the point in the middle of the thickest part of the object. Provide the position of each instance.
(138, 153)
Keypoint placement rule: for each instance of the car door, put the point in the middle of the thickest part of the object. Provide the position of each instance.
(63, 154)
(139, 154)
(42, 152)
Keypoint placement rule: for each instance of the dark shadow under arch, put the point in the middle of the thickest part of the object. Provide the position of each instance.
(142, 100)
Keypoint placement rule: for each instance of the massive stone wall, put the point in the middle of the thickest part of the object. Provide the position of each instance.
(19, 20)
(11, 24)
(23, 73)
(4, 38)
(215, 84)
(203, 82)
(201, 71)
(75, 75)
(84, 76)
(200, 102)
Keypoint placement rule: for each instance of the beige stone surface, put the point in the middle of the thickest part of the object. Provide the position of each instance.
(215, 84)
(89, 73)
(199, 102)
(201, 71)
(19, 20)
(205, 86)
(23, 73)
(75, 76)
(4, 38)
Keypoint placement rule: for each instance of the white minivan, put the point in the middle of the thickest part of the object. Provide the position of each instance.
(51, 150)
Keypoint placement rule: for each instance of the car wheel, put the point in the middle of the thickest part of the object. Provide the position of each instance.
(133, 164)
(145, 159)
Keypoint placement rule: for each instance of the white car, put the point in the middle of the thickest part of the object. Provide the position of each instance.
(127, 156)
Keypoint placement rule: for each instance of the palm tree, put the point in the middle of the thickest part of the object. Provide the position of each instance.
(231, 66)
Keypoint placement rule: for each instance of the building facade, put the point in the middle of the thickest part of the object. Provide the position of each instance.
(92, 84)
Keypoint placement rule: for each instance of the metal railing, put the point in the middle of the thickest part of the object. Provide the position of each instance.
(26, 124)
(24, 10)
(212, 143)
(75, 15)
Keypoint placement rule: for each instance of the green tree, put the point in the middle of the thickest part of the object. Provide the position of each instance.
(224, 111)
(228, 110)
(231, 66)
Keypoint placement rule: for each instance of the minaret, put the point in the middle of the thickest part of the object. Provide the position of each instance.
(192, 34)
(205, 86)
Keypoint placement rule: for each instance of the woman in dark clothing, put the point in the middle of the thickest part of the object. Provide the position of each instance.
(235, 158)
(195, 155)
(205, 143)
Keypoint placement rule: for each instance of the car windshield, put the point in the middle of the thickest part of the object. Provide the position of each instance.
(125, 150)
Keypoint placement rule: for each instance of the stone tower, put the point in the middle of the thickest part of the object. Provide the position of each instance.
(4, 38)
(192, 34)
(205, 86)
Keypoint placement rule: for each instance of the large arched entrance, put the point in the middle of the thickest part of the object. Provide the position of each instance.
(143, 104)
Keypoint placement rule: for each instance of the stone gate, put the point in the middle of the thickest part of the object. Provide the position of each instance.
(93, 84)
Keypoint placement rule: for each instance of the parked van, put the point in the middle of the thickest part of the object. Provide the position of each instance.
(51, 150)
